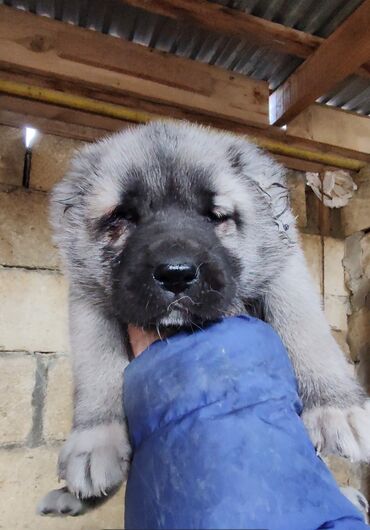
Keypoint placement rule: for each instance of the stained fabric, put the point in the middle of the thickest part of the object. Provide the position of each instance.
(217, 440)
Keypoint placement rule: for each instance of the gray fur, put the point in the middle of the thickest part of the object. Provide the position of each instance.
(60, 502)
(273, 281)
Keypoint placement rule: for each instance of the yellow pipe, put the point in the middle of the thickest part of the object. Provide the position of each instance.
(111, 110)
(328, 159)
(73, 101)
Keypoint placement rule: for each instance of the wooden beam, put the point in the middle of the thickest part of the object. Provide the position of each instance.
(220, 19)
(57, 120)
(31, 44)
(333, 126)
(338, 57)
(234, 23)
(48, 126)
(161, 109)
(93, 113)
(303, 165)
(44, 118)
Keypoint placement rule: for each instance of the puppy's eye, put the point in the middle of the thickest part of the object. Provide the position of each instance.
(118, 217)
(130, 216)
(219, 216)
(125, 214)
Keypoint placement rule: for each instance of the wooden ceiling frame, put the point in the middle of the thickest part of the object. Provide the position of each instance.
(323, 123)
(234, 23)
(35, 45)
(48, 54)
(338, 57)
(92, 118)
(227, 21)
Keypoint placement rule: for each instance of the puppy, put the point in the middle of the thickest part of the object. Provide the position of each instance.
(170, 225)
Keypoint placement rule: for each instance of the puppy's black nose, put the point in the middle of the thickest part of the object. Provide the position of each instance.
(175, 277)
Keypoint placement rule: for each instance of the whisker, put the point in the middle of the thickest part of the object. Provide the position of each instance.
(198, 268)
(181, 298)
(159, 333)
(216, 292)
(196, 325)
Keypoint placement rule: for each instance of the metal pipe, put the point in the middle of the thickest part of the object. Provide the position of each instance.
(328, 159)
(111, 110)
(48, 95)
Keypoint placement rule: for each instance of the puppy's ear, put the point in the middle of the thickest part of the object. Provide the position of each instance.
(77, 181)
(269, 178)
(66, 208)
(66, 194)
(66, 200)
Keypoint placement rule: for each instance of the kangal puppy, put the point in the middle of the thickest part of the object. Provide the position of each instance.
(170, 225)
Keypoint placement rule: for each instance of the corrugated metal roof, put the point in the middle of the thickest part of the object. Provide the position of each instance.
(319, 17)
(352, 94)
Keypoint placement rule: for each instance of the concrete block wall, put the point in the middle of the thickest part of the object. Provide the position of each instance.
(35, 387)
(35, 382)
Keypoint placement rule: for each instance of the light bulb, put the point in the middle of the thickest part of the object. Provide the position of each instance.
(30, 135)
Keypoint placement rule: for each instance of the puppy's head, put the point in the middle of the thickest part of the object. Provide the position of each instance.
(172, 224)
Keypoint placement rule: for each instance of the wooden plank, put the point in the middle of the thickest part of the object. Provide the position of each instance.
(53, 119)
(43, 117)
(333, 126)
(338, 57)
(55, 50)
(135, 60)
(302, 165)
(221, 19)
(57, 128)
(173, 111)
(40, 116)
(273, 138)
(234, 23)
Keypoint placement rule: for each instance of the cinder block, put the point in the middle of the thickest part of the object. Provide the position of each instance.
(297, 188)
(25, 477)
(50, 160)
(365, 254)
(25, 235)
(359, 333)
(334, 269)
(58, 401)
(11, 155)
(357, 281)
(33, 310)
(336, 311)
(16, 385)
(356, 215)
(313, 253)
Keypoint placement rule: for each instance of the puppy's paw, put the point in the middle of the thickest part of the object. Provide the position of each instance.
(60, 502)
(95, 461)
(344, 432)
